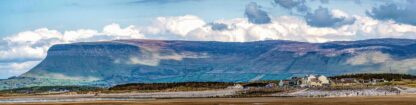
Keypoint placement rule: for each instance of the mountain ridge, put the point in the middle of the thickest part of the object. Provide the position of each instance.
(151, 61)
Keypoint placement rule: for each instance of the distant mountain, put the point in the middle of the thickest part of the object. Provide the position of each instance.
(126, 61)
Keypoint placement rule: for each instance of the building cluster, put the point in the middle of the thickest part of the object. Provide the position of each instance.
(306, 81)
(322, 81)
(310, 81)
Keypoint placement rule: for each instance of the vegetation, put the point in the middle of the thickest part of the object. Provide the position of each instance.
(173, 86)
(386, 76)
(50, 89)
(399, 79)
(268, 81)
(409, 83)
(21, 82)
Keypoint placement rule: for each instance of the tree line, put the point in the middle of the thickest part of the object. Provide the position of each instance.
(162, 86)
(368, 76)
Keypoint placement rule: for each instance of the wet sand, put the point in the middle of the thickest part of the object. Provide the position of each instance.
(372, 100)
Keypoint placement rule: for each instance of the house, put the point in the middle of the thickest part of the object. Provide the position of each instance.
(365, 81)
(315, 81)
(375, 81)
(324, 80)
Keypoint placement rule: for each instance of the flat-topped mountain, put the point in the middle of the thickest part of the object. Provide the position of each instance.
(126, 61)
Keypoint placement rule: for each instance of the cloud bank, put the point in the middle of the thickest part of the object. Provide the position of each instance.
(323, 17)
(255, 14)
(386, 62)
(299, 5)
(404, 13)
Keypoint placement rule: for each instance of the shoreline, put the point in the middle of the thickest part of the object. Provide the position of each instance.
(358, 100)
(126, 98)
(305, 94)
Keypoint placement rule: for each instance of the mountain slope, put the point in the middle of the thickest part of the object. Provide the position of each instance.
(124, 61)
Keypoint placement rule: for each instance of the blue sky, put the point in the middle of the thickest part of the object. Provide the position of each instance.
(21, 15)
(29, 27)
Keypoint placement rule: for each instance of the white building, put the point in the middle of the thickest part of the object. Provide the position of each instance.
(324, 80)
(314, 81)
(306, 81)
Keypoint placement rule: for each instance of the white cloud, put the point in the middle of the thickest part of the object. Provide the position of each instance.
(179, 25)
(295, 28)
(117, 32)
(153, 56)
(400, 66)
(386, 62)
(29, 44)
(77, 78)
(70, 36)
(34, 44)
(369, 58)
(285, 27)
(15, 69)
(32, 37)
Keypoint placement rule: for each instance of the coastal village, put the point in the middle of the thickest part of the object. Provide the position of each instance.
(338, 86)
(303, 86)
(312, 81)
(308, 86)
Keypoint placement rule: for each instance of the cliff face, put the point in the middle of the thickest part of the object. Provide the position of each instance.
(124, 61)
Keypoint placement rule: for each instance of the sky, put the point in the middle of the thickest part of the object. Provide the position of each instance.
(29, 27)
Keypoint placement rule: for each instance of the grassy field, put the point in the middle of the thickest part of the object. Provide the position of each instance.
(381, 100)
